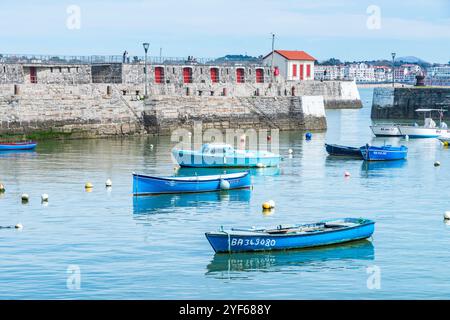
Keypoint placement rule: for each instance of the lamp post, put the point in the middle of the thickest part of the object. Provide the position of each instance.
(146, 45)
(393, 69)
(271, 63)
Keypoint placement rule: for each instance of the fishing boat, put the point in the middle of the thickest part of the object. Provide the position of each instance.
(383, 153)
(343, 151)
(386, 130)
(224, 155)
(429, 129)
(23, 145)
(291, 237)
(148, 185)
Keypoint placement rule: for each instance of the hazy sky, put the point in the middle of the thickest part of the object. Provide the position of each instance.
(345, 29)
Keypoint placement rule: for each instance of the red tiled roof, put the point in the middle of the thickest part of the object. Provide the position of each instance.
(295, 55)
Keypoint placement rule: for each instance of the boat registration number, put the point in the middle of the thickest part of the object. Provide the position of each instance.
(253, 242)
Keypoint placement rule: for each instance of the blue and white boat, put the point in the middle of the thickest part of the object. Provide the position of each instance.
(383, 153)
(291, 237)
(148, 185)
(343, 151)
(11, 146)
(429, 128)
(224, 155)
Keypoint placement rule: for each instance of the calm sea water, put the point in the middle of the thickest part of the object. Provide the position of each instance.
(155, 248)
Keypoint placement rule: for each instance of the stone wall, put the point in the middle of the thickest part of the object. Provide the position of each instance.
(84, 110)
(163, 114)
(401, 103)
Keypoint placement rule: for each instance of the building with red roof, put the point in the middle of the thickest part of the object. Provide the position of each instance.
(292, 65)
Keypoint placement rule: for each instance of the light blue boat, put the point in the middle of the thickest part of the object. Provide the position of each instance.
(224, 155)
(384, 153)
(148, 185)
(291, 237)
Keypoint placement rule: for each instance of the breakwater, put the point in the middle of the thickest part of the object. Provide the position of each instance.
(401, 103)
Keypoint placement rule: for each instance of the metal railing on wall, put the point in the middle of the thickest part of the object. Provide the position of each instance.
(108, 59)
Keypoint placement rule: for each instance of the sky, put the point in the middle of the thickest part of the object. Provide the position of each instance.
(349, 30)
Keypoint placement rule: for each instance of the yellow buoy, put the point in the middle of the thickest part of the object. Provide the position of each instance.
(88, 185)
(266, 205)
(446, 143)
(267, 212)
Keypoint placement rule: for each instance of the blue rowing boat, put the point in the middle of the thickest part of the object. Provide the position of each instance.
(343, 151)
(24, 145)
(384, 153)
(221, 155)
(147, 185)
(291, 237)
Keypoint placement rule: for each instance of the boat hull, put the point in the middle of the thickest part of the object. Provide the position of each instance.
(387, 130)
(343, 151)
(225, 242)
(371, 153)
(148, 185)
(197, 160)
(17, 146)
(418, 132)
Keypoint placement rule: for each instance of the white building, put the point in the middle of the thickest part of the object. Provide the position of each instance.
(333, 72)
(438, 75)
(291, 65)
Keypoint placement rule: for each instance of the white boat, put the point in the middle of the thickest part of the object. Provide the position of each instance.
(386, 130)
(429, 129)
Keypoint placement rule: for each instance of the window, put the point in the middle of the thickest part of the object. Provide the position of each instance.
(159, 75)
(187, 75)
(301, 72)
(259, 75)
(308, 71)
(214, 75)
(294, 70)
(240, 77)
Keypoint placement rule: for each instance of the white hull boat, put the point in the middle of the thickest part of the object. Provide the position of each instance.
(386, 130)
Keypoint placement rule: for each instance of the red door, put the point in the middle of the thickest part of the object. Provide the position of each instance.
(187, 75)
(240, 75)
(259, 75)
(294, 70)
(159, 75)
(301, 72)
(308, 71)
(214, 75)
(33, 77)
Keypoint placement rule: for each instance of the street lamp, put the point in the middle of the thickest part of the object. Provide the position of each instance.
(393, 68)
(271, 62)
(146, 45)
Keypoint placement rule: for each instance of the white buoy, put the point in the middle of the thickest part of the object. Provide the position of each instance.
(2, 188)
(224, 184)
(108, 183)
(25, 197)
(406, 137)
(346, 174)
(260, 165)
(151, 147)
(290, 151)
(44, 197)
(271, 203)
(447, 215)
(18, 226)
(437, 163)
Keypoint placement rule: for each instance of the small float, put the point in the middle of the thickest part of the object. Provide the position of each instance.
(149, 185)
(291, 237)
(22, 145)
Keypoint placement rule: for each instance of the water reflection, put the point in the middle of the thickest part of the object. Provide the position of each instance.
(152, 204)
(379, 168)
(18, 153)
(269, 171)
(281, 260)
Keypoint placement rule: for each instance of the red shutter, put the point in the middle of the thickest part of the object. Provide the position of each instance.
(33, 77)
(187, 75)
(301, 72)
(308, 71)
(214, 75)
(159, 75)
(259, 75)
(240, 75)
(294, 70)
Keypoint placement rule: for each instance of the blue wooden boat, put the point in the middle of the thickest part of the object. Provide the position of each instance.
(147, 185)
(343, 151)
(384, 153)
(24, 145)
(291, 237)
(224, 155)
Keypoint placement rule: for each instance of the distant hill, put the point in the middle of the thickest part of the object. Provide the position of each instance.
(237, 58)
(411, 59)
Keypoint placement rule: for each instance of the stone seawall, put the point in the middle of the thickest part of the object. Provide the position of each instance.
(401, 103)
(88, 110)
(162, 114)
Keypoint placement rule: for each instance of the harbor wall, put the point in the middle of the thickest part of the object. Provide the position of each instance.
(401, 103)
(162, 114)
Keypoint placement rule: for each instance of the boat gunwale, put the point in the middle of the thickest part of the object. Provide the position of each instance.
(177, 179)
(184, 192)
